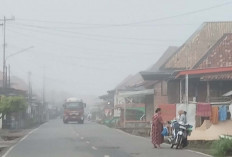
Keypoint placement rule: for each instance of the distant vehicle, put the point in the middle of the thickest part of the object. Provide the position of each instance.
(74, 110)
(53, 111)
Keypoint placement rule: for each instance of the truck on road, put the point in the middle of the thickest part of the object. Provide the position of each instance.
(73, 110)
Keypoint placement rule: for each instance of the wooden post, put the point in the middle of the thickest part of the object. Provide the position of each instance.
(208, 92)
(180, 91)
(186, 87)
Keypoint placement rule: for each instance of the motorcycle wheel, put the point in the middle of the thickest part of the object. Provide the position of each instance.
(179, 141)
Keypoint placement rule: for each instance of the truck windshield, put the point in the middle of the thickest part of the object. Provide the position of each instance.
(74, 105)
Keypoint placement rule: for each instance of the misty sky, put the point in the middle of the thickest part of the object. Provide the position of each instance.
(88, 46)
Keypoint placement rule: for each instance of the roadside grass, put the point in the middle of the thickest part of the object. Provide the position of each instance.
(201, 146)
(218, 148)
(222, 147)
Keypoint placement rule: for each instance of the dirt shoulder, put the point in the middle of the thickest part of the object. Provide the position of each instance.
(8, 138)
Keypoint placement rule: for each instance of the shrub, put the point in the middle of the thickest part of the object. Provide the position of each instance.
(12, 104)
(222, 147)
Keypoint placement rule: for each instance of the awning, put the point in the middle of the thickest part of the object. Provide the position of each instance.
(204, 71)
(155, 75)
(134, 93)
(217, 76)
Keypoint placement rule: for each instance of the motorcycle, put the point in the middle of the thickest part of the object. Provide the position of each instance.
(179, 134)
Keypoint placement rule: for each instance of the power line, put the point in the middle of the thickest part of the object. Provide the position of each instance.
(92, 35)
(105, 25)
(138, 22)
(21, 51)
(180, 15)
(84, 37)
(52, 42)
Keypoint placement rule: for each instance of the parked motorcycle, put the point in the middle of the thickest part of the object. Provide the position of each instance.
(179, 134)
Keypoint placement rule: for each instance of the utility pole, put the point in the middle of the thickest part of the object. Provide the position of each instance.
(29, 86)
(43, 92)
(29, 95)
(4, 51)
(6, 76)
(44, 97)
(9, 76)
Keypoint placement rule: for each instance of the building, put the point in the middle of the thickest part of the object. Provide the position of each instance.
(199, 71)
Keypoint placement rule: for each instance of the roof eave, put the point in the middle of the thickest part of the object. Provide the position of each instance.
(152, 76)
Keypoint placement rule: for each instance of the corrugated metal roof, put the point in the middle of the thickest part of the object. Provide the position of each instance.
(217, 76)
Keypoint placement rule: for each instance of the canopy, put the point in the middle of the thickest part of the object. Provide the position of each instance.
(133, 93)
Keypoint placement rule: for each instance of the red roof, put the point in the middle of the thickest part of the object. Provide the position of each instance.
(204, 71)
(222, 76)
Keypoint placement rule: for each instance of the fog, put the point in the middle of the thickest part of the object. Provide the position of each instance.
(85, 48)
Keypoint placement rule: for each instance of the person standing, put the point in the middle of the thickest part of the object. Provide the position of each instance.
(182, 117)
(157, 128)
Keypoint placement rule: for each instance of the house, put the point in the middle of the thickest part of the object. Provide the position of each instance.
(130, 96)
(199, 71)
(136, 96)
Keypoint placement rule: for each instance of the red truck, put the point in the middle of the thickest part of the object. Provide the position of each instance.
(73, 111)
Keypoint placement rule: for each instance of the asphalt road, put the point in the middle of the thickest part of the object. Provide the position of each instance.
(55, 139)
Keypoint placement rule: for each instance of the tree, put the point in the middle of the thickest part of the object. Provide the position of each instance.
(12, 104)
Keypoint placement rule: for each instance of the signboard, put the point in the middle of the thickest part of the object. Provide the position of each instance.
(117, 112)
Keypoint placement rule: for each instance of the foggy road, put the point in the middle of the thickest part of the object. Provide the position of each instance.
(55, 139)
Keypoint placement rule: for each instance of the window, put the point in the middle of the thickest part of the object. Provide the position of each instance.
(74, 105)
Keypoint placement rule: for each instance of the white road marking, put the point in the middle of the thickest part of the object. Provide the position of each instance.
(94, 148)
(8, 151)
(136, 136)
(12, 147)
(106, 156)
(163, 143)
(87, 142)
(198, 153)
(82, 138)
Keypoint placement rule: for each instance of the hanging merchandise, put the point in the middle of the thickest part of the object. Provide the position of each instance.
(214, 115)
(203, 110)
(222, 113)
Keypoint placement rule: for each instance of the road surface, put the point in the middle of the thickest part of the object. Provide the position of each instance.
(55, 139)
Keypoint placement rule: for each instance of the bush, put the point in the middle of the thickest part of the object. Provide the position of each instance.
(12, 104)
(222, 148)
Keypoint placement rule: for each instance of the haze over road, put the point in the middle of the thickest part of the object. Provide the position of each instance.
(55, 139)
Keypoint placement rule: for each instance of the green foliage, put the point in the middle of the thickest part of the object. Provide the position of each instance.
(12, 104)
(222, 147)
